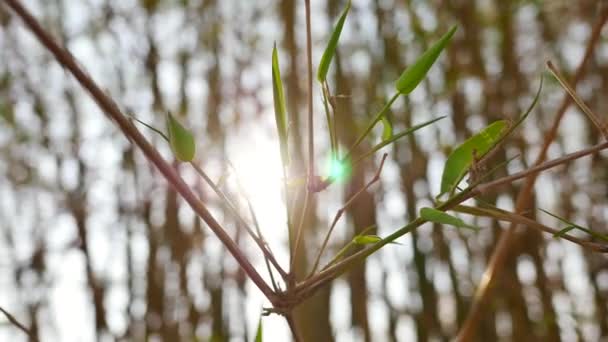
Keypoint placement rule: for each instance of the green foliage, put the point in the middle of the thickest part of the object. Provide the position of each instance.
(181, 140)
(572, 225)
(152, 128)
(387, 130)
(366, 239)
(332, 44)
(437, 216)
(280, 113)
(258, 334)
(563, 232)
(462, 157)
(524, 116)
(396, 137)
(415, 73)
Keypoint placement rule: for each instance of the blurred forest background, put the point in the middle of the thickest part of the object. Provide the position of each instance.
(94, 245)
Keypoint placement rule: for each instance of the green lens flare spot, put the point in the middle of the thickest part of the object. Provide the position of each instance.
(338, 170)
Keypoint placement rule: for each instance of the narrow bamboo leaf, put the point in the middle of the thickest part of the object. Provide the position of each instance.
(330, 124)
(396, 137)
(280, 113)
(387, 130)
(366, 239)
(344, 249)
(332, 44)
(437, 216)
(415, 73)
(524, 116)
(181, 140)
(369, 239)
(575, 226)
(563, 231)
(258, 334)
(154, 129)
(461, 158)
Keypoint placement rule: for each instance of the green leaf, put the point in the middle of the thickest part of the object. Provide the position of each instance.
(258, 334)
(369, 239)
(387, 131)
(181, 140)
(438, 216)
(366, 239)
(563, 232)
(415, 73)
(395, 138)
(154, 129)
(525, 115)
(332, 44)
(280, 113)
(461, 158)
(573, 225)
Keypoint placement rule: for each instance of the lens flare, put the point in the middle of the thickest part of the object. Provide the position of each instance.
(338, 170)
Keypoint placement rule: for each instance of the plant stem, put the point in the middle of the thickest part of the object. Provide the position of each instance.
(294, 253)
(343, 209)
(484, 187)
(344, 249)
(371, 125)
(590, 114)
(503, 215)
(311, 141)
(259, 239)
(310, 285)
(18, 324)
(65, 58)
(502, 249)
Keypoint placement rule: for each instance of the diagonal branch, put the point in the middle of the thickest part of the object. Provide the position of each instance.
(311, 284)
(19, 325)
(258, 238)
(503, 215)
(65, 58)
(343, 209)
(582, 105)
(503, 247)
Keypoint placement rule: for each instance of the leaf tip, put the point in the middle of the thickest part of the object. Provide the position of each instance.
(181, 140)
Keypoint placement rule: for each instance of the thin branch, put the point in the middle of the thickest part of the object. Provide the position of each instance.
(19, 325)
(503, 247)
(258, 238)
(371, 125)
(330, 118)
(65, 58)
(343, 209)
(503, 215)
(310, 285)
(485, 187)
(258, 230)
(344, 249)
(294, 253)
(311, 141)
(582, 105)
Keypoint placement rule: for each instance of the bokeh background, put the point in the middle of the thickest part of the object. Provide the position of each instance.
(94, 245)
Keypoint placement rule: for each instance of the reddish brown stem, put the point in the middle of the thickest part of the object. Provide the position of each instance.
(501, 252)
(343, 209)
(65, 58)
